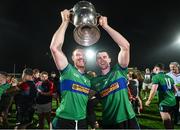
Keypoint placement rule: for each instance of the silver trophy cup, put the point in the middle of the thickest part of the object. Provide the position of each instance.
(84, 18)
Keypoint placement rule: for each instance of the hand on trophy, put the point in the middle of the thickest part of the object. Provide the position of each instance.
(84, 18)
(65, 14)
(103, 21)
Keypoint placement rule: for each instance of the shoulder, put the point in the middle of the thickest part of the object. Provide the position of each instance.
(68, 68)
(117, 66)
(156, 76)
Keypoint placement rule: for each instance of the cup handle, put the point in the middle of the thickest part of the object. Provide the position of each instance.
(98, 15)
(71, 15)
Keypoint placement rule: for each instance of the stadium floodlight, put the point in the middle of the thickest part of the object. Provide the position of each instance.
(178, 40)
(90, 54)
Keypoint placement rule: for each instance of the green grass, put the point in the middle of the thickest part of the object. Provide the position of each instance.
(149, 118)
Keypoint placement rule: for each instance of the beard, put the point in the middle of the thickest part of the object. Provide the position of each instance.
(104, 66)
(80, 63)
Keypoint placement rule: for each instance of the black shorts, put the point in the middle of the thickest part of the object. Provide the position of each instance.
(60, 123)
(166, 108)
(128, 124)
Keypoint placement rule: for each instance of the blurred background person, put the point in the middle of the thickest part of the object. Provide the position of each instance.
(146, 86)
(44, 100)
(36, 76)
(175, 75)
(56, 89)
(133, 85)
(25, 99)
(4, 99)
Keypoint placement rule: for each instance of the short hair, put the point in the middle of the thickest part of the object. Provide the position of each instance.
(100, 51)
(35, 71)
(174, 63)
(160, 65)
(28, 71)
(147, 69)
(4, 73)
(44, 72)
(77, 48)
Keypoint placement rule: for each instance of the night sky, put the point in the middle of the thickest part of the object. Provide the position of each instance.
(27, 26)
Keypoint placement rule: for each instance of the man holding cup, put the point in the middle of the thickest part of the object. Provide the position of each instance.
(71, 113)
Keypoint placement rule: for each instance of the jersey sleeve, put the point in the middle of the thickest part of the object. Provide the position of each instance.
(124, 71)
(61, 72)
(155, 79)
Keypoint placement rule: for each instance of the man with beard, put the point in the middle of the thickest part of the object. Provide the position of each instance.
(111, 85)
(71, 113)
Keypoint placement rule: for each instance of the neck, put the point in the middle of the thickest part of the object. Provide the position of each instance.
(81, 70)
(175, 73)
(105, 71)
(161, 71)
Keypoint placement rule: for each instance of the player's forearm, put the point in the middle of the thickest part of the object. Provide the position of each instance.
(151, 95)
(58, 37)
(118, 38)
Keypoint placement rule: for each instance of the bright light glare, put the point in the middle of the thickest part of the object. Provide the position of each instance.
(178, 40)
(90, 54)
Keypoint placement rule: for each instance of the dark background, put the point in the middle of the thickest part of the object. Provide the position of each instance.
(27, 26)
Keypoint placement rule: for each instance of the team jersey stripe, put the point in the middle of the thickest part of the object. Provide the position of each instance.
(69, 85)
(165, 88)
(115, 86)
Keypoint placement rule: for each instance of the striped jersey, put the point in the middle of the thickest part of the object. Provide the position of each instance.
(165, 89)
(74, 88)
(112, 89)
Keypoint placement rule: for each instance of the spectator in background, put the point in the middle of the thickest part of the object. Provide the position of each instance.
(9, 78)
(44, 100)
(133, 85)
(25, 99)
(13, 82)
(4, 99)
(146, 86)
(140, 79)
(36, 76)
(175, 75)
(56, 92)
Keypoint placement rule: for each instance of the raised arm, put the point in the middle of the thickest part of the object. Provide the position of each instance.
(57, 42)
(124, 54)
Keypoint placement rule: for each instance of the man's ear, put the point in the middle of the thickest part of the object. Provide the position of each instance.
(72, 58)
(109, 60)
